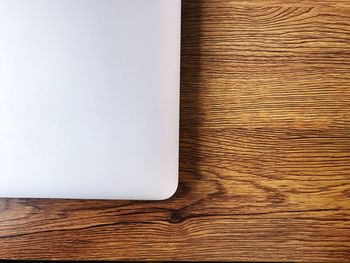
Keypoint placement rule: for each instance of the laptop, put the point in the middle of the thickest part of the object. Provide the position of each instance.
(89, 99)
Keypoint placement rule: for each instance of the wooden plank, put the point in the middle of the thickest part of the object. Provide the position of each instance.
(265, 150)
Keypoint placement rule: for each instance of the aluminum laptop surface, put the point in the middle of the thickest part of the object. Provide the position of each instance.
(89, 98)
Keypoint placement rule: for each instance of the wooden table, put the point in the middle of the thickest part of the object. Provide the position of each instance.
(265, 150)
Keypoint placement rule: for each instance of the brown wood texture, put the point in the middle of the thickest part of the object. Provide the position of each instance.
(265, 150)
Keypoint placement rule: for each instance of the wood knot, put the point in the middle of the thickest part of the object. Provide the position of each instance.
(176, 217)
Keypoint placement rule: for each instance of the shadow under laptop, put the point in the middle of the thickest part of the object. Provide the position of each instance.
(190, 96)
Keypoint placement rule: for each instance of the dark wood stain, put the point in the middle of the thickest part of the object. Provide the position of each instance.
(265, 150)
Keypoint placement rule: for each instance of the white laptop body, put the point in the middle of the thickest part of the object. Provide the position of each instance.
(89, 98)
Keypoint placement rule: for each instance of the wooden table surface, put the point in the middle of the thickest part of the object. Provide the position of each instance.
(265, 150)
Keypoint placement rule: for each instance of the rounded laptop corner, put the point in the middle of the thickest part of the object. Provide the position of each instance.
(168, 193)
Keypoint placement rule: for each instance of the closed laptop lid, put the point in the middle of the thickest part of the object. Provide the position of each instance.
(89, 98)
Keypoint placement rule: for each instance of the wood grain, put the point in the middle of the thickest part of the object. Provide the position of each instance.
(265, 150)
